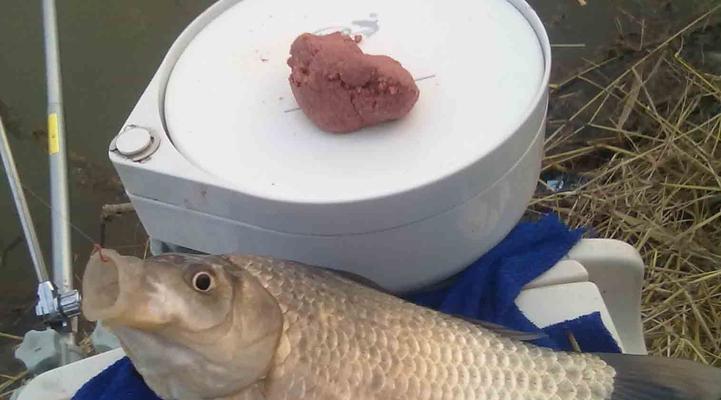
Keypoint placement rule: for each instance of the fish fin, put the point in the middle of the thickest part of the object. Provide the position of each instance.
(503, 331)
(254, 392)
(646, 378)
(361, 280)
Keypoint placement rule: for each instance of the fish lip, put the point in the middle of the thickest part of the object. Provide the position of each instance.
(105, 287)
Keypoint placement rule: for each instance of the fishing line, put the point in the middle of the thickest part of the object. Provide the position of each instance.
(96, 245)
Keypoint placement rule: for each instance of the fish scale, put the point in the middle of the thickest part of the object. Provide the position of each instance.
(272, 330)
(379, 347)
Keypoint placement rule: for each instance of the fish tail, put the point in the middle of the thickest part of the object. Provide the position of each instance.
(646, 378)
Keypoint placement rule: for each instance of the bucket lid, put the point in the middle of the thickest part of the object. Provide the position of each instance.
(480, 69)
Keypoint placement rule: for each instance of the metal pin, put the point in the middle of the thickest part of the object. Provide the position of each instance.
(423, 78)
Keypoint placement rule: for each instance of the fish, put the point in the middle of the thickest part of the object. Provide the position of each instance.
(239, 327)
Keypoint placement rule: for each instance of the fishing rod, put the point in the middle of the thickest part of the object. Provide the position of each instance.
(68, 299)
(58, 302)
(56, 308)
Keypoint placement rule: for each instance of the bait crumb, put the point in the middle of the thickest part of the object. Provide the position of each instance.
(341, 89)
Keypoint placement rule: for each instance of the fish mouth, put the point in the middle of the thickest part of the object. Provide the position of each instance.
(105, 285)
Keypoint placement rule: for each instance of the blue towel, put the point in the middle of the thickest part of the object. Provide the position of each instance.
(488, 288)
(486, 291)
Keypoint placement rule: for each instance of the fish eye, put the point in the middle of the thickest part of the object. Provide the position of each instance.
(203, 282)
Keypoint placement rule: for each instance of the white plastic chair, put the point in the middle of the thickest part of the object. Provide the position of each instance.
(597, 275)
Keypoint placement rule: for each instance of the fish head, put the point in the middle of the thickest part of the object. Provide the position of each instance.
(157, 293)
(192, 325)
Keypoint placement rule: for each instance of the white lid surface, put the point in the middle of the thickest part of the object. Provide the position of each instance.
(228, 99)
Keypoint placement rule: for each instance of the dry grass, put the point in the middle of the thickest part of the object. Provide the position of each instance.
(644, 146)
(6, 390)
